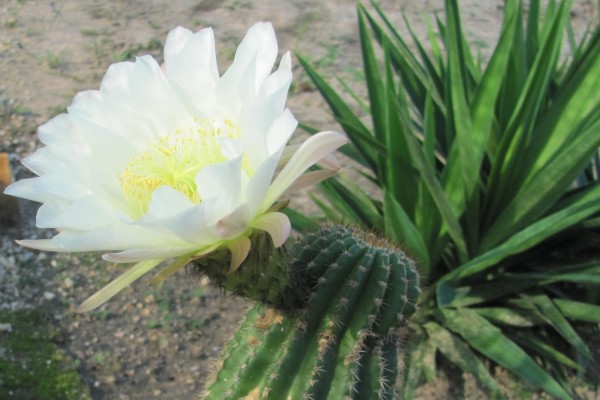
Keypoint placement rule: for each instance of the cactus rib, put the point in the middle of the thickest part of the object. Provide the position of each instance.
(339, 338)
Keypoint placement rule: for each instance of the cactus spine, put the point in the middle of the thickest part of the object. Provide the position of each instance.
(339, 339)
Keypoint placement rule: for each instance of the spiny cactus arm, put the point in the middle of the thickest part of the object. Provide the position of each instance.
(259, 339)
(343, 258)
(248, 357)
(317, 252)
(340, 342)
(403, 291)
(365, 313)
(234, 356)
(387, 367)
(342, 301)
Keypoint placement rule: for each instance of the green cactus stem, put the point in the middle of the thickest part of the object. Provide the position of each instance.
(264, 275)
(340, 340)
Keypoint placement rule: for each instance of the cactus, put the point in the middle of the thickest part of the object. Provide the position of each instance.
(337, 337)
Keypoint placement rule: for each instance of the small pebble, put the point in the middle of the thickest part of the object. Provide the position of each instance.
(49, 295)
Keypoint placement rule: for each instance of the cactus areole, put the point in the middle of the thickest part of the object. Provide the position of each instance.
(326, 322)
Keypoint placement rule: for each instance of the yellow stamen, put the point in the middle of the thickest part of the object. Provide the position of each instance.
(174, 160)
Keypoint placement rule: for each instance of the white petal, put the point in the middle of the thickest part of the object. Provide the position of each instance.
(191, 66)
(85, 213)
(260, 39)
(119, 119)
(247, 87)
(239, 251)
(209, 223)
(108, 291)
(50, 132)
(197, 225)
(258, 185)
(176, 40)
(112, 237)
(43, 161)
(276, 224)
(41, 244)
(311, 151)
(165, 203)
(64, 184)
(257, 53)
(26, 189)
(80, 157)
(49, 211)
(310, 179)
(266, 126)
(142, 88)
(276, 85)
(230, 148)
(330, 161)
(280, 132)
(87, 95)
(98, 143)
(234, 224)
(286, 62)
(260, 43)
(222, 180)
(74, 162)
(135, 255)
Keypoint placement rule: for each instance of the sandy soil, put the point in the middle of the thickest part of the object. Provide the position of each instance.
(157, 344)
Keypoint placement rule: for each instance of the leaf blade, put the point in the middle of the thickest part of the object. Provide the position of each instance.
(490, 341)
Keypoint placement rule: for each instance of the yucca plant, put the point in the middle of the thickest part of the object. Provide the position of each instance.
(489, 176)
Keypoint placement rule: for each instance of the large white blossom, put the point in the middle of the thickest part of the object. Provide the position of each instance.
(174, 161)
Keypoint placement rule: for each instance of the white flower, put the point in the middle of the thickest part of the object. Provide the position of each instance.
(176, 161)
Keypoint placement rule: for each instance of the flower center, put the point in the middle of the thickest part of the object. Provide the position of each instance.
(175, 160)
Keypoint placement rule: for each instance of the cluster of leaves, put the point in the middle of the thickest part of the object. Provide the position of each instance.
(489, 176)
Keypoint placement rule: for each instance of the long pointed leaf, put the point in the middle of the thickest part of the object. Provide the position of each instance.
(483, 117)
(545, 349)
(545, 188)
(508, 173)
(399, 164)
(459, 354)
(578, 96)
(448, 294)
(356, 130)
(376, 91)
(462, 182)
(548, 310)
(353, 202)
(400, 228)
(578, 310)
(511, 317)
(490, 341)
(300, 222)
(413, 355)
(417, 81)
(579, 209)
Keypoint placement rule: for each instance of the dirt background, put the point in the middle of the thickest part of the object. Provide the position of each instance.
(158, 343)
